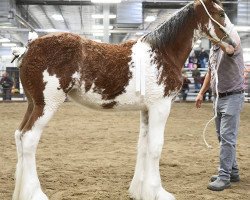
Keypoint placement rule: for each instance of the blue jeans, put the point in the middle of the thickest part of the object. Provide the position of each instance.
(227, 124)
(203, 63)
(197, 86)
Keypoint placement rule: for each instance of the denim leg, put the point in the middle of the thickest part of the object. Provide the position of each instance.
(235, 168)
(230, 108)
(217, 125)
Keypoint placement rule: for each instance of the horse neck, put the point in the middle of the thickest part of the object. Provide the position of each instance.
(174, 38)
(183, 44)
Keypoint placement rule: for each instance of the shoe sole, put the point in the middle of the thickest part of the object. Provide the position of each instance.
(218, 189)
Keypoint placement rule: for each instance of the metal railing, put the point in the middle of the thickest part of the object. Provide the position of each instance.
(18, 95)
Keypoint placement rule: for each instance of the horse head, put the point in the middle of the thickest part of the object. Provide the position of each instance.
(215, 25)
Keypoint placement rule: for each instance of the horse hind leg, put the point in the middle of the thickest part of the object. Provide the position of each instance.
(27, 183)
(18, 134)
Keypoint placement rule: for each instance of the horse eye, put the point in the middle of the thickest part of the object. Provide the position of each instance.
(222, 15)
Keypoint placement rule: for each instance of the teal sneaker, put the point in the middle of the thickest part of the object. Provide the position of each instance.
(233, 178)
(219, 185)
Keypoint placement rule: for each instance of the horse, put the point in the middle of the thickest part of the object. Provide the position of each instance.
(143, 75)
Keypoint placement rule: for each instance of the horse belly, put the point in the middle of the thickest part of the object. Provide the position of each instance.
(126, 101)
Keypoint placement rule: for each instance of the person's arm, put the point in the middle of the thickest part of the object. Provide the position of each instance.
(204, 88)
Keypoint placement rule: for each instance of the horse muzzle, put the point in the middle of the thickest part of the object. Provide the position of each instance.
(228, 45)
(229, 41)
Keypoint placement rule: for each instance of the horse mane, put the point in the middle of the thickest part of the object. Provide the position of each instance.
(167, 32)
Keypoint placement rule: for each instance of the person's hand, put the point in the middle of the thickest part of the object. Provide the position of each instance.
(198, 100)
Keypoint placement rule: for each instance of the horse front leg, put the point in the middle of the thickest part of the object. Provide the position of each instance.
(135, 188)
(152, 187)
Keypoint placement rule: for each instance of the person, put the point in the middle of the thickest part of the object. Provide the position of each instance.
(196, 74)
(191, 60)
(209, 91)
(185, 87)
(202, 58)
(7, 83)
(230, 99)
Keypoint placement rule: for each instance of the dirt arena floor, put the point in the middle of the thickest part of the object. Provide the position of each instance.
(85, 154)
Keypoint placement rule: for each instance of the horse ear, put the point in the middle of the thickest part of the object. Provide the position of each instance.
(209, 1)
(204, 1)
(218, 2)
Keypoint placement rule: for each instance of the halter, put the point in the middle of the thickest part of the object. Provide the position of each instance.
(220, 26)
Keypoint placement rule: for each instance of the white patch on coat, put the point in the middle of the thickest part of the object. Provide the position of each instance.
(212, 30)
(53, 93)
(75, 81)
(229, 26)
(76, 76)
(153, 91)
(197, 34)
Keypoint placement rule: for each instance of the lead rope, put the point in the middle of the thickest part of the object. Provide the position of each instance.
(214, 70)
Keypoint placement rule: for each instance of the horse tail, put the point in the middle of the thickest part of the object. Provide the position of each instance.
(18, 52)
(32, 36)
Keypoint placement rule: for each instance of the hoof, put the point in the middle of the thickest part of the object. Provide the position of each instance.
(164, 195)
(135, 190)
(36, 195)
(39, 195)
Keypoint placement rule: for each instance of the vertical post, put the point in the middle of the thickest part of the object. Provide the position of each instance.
(106, 22)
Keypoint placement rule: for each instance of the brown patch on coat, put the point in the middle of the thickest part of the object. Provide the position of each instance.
(170, 74)
(28, 113)
(109, 105)
(107, 67)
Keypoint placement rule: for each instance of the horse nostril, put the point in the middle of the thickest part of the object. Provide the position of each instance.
(231, 42)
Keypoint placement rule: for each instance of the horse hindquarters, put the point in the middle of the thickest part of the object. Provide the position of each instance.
(38, 114)
(147, 175)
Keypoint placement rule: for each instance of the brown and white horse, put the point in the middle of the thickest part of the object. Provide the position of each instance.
(140, 75)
